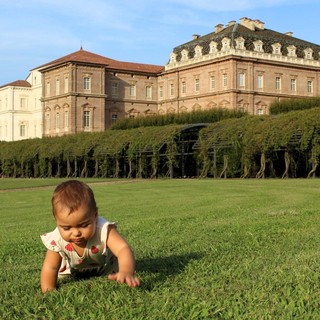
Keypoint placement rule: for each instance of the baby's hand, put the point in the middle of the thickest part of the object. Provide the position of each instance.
(121, 277)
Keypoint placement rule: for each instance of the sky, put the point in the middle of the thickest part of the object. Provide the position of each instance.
(35, 32)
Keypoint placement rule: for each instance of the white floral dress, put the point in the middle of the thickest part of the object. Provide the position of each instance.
(97, 259)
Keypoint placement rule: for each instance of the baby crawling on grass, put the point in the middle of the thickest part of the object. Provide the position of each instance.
(83, 244)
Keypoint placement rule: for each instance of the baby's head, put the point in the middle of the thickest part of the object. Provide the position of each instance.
(75, 211)
(73, 194)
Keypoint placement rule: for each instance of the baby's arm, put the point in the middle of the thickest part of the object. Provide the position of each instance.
(126, 261)
(49, 272)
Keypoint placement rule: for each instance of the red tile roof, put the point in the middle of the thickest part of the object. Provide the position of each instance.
(18, 83)
(83, 56)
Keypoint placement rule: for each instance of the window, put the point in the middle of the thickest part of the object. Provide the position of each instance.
(171, 89)
(114, 89)
(308, 53)
(184, 55)
(278, 83)
(57, 87)
(197, 85)
(240, 43)
(66, 84)
(198, 51)
(23, 103)
(48, 123)
(258, 46)
(293, 85)
(225, 44)
(260, 112)
(57, 121)
(86, 83)
(224, 80)
(48, 89)
(148, 92)
(212, 82)
(132, 90)
(172, 58)
(86, 119)
(161, 92)
(183, 87)
(292, 51)
(310, 86)
(260, 81)
(114, 118)
(241, 79)
(213, 47)
(66, 120)
(22, 130)
(276, 48)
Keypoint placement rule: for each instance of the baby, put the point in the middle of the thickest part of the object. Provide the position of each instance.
(83, 243)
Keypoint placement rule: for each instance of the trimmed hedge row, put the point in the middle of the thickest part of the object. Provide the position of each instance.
(113, 153)
(197, 116)
(286, 145)
(275, 146)
(289, 105)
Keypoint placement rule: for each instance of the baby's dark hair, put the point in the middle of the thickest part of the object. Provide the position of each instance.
(73, 194)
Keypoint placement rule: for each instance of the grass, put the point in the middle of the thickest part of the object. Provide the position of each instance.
(21, 183)
(205, 249)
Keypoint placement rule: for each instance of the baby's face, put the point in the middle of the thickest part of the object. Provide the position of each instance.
(76, 227)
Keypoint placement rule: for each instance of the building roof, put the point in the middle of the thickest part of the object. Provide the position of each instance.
(250, 31)
(83, 56)
(18, 83)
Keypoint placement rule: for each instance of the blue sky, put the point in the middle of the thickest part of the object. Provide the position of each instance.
(34, 32)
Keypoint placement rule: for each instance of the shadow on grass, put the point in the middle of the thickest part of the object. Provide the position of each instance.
(162, 268)
(156, 270)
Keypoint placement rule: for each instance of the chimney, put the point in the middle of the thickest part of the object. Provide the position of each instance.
(231, 23)
(248, 23)
(259, 24)
(195, 36)
(289, 34)
(218, 28)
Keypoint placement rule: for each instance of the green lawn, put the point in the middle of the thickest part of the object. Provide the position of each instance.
(7, 184)
(205, 249)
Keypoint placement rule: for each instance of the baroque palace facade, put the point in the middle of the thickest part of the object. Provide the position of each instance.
(238, 66)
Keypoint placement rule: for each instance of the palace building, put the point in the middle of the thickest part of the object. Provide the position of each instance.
(84, 91)
(21, 109)
(242, 66)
